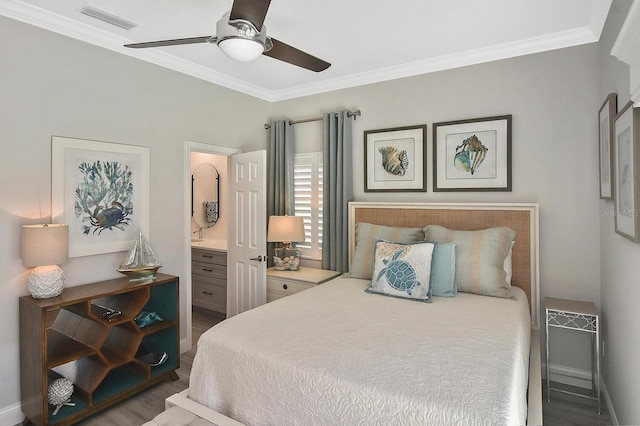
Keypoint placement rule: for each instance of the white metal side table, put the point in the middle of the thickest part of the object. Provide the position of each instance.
(578, 316)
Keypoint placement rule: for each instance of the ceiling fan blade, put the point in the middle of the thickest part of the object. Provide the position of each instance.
(253, 11)
(286, 53)
(174, 42)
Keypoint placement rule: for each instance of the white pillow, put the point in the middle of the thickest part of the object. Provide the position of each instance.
(508, 269)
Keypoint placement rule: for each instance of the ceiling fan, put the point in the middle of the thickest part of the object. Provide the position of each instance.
(241, 35)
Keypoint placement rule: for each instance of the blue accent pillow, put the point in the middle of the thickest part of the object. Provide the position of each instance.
(402, 270)
(443, 270)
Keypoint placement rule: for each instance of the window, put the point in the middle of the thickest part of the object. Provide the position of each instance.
(307, 176)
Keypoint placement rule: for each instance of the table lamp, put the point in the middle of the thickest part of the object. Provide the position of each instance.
(286, 229)
(45, 246)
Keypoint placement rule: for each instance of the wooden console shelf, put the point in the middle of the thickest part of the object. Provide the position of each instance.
(68, 336)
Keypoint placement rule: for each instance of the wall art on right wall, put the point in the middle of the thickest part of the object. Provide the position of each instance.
(606, 115)
(627, 176)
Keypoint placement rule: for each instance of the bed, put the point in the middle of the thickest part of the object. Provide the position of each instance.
(336, 354)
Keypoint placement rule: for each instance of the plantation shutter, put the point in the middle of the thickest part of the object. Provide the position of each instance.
(307, 178)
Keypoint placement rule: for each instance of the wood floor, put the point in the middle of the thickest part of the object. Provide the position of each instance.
(562, 410)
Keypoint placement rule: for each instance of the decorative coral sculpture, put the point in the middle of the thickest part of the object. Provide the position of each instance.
(60, 391)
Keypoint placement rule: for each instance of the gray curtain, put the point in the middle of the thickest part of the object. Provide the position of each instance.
(337, 162)
(280, 190)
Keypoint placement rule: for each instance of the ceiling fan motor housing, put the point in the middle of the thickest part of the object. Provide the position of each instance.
(240, 29)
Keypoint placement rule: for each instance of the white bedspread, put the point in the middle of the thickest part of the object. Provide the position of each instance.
(335, 355)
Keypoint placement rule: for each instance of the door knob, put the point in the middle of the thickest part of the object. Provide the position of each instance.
(259, 258)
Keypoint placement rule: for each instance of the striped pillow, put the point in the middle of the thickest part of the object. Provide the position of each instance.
(366, 236)
(479, 259)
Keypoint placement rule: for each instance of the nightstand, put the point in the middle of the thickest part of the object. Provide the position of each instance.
(286, 283)
(578, 316)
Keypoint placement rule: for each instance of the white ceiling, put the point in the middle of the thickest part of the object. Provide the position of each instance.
(366, 41)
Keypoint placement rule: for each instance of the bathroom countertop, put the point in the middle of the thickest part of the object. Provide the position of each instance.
(220, 245)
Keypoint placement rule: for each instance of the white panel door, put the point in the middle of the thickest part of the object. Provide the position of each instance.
(247, 244)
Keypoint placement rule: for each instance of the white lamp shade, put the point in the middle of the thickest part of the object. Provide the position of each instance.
(46, 244)
(241, 49)
(287, 229)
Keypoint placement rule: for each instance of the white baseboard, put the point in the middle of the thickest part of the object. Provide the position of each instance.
(607, 399)
(568, 376)
(582, 379)
(184, 347)
(11, 415)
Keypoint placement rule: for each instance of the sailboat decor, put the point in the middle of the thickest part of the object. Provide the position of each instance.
(141, 263)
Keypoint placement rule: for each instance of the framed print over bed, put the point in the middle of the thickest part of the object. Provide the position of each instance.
(101, 190)
(395, 159)
(606, 115)
(472, 155)
(627, 172)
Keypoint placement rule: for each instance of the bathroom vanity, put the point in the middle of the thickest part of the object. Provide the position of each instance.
(209, 275)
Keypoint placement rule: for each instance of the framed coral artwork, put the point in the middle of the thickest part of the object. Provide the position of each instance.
(101, 190)
(626, 169)
(395, 159)
(472, 155)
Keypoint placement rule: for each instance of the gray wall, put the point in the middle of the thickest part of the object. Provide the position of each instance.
(620, 266)
(53, 85)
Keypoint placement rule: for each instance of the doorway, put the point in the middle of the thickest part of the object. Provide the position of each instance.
(189, 149)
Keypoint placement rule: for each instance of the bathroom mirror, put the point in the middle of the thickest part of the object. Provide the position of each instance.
(205, 195)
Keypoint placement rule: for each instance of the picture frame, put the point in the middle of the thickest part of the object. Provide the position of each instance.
(472, 155)
(101, 190)
(626, 151)
(395, 159)
(606, 116)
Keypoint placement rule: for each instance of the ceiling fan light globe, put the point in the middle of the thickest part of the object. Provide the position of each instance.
(241, 49)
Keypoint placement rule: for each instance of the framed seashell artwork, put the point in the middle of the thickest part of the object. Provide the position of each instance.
(472, 155)
(395, 159)
(626, 172)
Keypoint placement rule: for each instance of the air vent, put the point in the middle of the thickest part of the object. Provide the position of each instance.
(107, 17)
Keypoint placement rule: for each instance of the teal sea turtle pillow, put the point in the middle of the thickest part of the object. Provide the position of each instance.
(402, 270)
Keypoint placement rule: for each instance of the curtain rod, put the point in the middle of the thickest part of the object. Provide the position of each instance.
(355, 113)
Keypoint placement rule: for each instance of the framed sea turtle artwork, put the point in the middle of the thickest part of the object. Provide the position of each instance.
(395, 159)
(472, 155)
(101, 191)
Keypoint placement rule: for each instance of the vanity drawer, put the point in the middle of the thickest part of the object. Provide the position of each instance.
(209, 256)
(209, 270)
(286, 287)
(210, 296)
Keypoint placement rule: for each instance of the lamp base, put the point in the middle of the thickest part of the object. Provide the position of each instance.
(286, 259)
(46, 282)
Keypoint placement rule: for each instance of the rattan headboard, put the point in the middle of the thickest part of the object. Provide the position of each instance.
(522, 218)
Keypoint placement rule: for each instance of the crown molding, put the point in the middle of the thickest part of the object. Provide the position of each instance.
(472, 57)
(44, 19)
(32, 15)
(627, 49)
